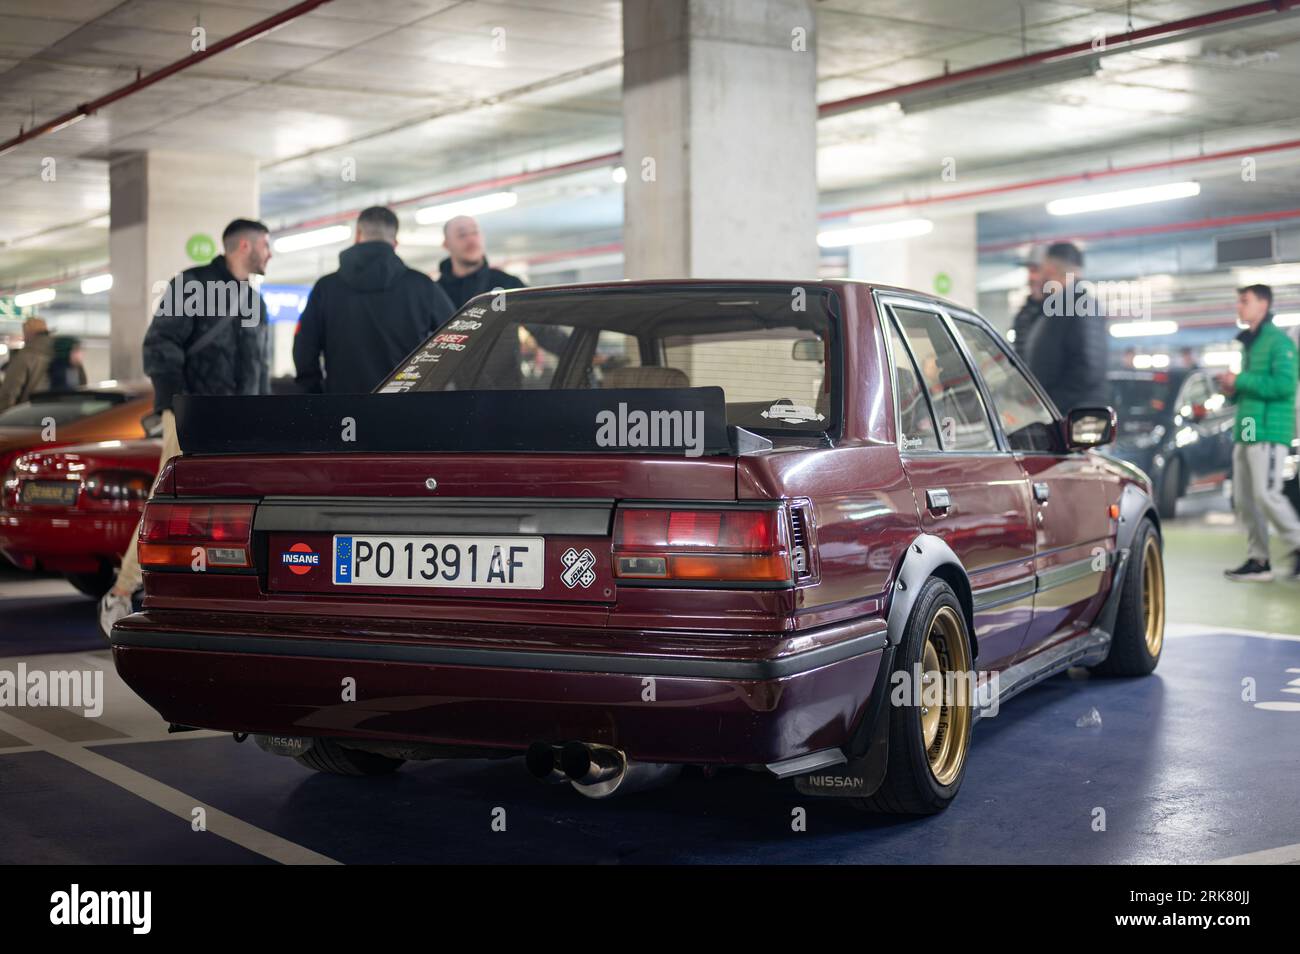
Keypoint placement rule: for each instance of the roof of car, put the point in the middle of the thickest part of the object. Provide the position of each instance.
(651, 283)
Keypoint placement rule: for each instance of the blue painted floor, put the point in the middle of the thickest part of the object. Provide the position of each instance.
(1184, 768)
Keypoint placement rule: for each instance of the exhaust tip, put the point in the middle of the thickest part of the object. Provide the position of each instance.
(575, 760)
(543, 761)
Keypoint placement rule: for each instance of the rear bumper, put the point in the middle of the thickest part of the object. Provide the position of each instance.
(63, 541)
(756, 700)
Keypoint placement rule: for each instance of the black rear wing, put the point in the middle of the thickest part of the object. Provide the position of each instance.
(679, 422)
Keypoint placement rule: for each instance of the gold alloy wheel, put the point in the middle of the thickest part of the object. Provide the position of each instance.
(1153, 595)
(945, 669)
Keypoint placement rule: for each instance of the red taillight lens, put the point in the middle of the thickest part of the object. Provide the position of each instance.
(701, 545)
(118, 485)
(171, 532)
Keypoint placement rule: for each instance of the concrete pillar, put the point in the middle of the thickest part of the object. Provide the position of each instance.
(942, 262)
(166, 213)
(720, 139)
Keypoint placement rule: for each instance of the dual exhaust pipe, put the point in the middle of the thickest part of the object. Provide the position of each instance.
(597, 771)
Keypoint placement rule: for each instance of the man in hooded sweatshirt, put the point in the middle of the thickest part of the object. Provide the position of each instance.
(366, 317)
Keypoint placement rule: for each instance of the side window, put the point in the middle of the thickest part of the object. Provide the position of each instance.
(914, 418)
(1026, 421)
(958, 407)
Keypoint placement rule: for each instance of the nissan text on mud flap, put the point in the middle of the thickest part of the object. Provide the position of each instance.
(702, 523)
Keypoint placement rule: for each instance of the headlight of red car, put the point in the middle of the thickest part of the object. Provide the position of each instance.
(117, 485)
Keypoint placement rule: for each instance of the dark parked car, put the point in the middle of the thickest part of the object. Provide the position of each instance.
(1177, 427)
(814, 530)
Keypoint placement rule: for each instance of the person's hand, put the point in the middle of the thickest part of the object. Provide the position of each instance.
(1227, 381)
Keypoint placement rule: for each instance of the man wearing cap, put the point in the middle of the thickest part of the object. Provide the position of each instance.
(29, 367)
(1060, 332)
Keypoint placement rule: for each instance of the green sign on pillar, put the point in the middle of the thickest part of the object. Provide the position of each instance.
(942, 283)
(201, 248)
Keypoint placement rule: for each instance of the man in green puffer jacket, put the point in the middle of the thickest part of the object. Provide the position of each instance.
(1265, 391)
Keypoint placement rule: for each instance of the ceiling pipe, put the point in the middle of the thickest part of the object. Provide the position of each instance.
(1160, 33)
(483, 185)
(1068, 178)
(1191, 225)
(246, 35)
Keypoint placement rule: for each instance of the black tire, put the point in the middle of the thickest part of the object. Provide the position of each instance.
(910, 786)
(94, 585)
(1132, 652)
(334, 759)
(1171, 488)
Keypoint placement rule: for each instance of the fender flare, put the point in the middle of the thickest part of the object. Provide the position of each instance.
(927, 556)
(1134, 504)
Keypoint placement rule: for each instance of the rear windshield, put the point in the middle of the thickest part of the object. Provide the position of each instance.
(773, 350)
(64, 409)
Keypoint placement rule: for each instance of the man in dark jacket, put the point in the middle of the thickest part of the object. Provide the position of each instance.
(1061, 333)
(208, 336)
(369, 315)
(466, 272)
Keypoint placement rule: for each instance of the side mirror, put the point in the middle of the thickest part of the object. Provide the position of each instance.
(808, 349)
(1089, 427)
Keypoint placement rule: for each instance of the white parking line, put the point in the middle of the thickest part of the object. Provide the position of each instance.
(1286, 855)
(165, 797)
(1179, 630)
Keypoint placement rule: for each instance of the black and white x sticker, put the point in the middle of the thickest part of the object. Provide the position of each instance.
(579, 568)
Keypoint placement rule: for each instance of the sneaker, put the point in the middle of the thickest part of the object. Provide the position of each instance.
(1294, 575)
(1251, 571)
(112, 607)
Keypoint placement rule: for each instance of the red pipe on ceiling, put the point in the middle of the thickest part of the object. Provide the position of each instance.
(245, 35)
(1168, 31)
(1192, 225)
(1069, 178)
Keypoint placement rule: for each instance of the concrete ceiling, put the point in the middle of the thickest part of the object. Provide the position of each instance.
(416, 93)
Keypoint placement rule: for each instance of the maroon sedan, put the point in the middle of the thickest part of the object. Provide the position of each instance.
(817, 530)
(72, 510)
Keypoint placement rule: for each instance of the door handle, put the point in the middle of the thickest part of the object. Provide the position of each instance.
(937, 500)
(1042, 492)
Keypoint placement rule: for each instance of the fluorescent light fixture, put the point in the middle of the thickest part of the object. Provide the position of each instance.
(38, 297)
(330, 235)
(619, 174)
(1125, 197)
(866, 234)
(96, 284)
(1142, 329)
(1146, 361)
(1287, 319)
(479, 205)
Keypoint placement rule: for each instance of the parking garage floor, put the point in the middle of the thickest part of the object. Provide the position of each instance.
(1186, 766)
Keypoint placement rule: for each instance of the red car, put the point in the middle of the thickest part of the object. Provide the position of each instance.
(812, 529)
(72, 510)
(104, 412)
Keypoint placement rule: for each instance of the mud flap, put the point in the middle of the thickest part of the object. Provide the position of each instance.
(287, 745)
(862, 774)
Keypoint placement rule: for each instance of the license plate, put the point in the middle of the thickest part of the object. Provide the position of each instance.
(510, 563)
(49, 492)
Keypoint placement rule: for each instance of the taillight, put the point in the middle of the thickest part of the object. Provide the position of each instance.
(723, 546)
(117, 485)
(171, 534)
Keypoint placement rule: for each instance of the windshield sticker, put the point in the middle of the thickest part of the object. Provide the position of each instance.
(635, 429)
(450, 342)
(464, 324)
(792, 414)
(397, 387)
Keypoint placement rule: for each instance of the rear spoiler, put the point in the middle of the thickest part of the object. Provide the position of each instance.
(678, 422)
